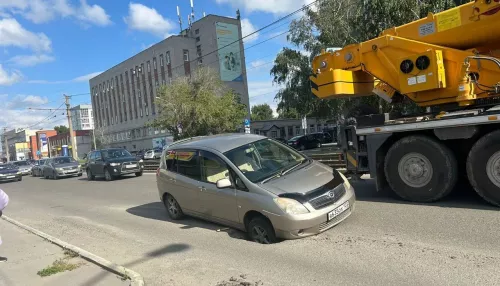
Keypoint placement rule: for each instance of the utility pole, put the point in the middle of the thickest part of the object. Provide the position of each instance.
(70, 125)
(6, 145)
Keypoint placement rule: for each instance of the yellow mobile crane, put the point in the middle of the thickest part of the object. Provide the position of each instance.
(450, 62)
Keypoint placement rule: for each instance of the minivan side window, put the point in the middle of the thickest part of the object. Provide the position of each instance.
(170, 161)
(212, 168)
(97, 155)
(188, 164)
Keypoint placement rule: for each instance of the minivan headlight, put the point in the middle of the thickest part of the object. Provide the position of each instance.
(291, 206)
(347, 184)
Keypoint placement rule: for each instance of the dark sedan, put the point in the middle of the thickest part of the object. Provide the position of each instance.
(36, 170)
(58, 167)
(10, 172)
(112, 163)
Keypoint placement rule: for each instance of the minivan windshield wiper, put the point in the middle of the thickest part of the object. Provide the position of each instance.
(284, 171)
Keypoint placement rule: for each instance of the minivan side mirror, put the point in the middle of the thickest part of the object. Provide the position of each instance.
(224, 183)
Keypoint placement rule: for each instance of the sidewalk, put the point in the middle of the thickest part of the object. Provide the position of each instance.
(27, 254)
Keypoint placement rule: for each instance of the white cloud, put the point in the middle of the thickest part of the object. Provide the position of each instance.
(30, 60)
(83, 78)
(262, 88)
(269, 6)
(257, 63)
(9, 78)
(248, 28)
(86, 77)
(25, 101)
(145, 19)
(93, 14)
(43, 11)
(16, 115)
(13, 34)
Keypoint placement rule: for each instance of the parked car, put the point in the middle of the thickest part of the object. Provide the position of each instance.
(140, 154)
(153, 154)
(310, 141)
(112, 163)
(24, 167)
(58, 167)
(36, 170)
(254, 184)
(10, 172)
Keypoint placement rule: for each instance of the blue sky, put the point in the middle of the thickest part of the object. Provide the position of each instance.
(51, 47)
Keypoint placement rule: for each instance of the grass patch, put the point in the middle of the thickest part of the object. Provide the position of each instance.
(57, 266)
(70, 253)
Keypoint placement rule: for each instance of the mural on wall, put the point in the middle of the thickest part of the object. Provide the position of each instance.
(43, 140)
(228, 46)
(162, 142)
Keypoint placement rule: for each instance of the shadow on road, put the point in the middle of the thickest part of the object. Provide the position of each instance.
(462, 197)
(126, 177)
(157, 211)
(162, 251)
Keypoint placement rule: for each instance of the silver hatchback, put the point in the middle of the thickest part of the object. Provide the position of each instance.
(254, 184)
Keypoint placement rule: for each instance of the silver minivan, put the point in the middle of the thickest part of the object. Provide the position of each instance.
(254, 184)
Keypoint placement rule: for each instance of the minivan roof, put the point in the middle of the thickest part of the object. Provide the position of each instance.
(221, 143)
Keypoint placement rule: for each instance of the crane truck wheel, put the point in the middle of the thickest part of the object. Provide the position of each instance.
(483, 167)
(420, 169)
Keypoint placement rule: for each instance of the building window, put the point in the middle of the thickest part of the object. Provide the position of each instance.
(311, 128)
(154, 63)
(197, 39)
(274, 134)
(147, 111)
(140, 110)
(319, 128)
(290, 130)
(161, 60)
(167, 57)
(297, 130)
(149, 66)
(157, 84)
(186, 55)
(197, 31)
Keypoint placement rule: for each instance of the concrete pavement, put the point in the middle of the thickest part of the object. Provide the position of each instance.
(27, 254)
(384, 242)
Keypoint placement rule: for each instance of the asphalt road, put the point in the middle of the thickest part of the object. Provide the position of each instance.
(384, 242)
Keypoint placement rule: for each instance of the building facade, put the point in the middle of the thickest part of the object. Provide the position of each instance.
(39, 143)
(17, 151)
(83, 138)
(288, 128)
(123, 96)
(82, 117)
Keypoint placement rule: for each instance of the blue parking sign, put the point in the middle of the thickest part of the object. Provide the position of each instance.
(247, 122)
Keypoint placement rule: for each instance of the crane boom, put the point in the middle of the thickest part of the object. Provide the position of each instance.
(452, 57)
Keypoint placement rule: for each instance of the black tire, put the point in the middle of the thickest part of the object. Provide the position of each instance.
(107, 175)
(80, 174)
(439, 183)
(55, 176)
(138, 174)
(20, 179)
(318, 144)
(90, 177)
(173, 208)
(261, 231)
(45, 176)
(483, 183)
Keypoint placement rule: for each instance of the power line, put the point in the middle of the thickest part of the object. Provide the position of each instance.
(49, 116)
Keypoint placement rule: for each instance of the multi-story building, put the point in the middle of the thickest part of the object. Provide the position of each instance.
(82, 117)
(17, 151)
(83, 139)
(123, 96)
(39, 143)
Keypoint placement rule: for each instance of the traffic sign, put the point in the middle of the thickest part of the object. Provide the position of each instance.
(247, 122)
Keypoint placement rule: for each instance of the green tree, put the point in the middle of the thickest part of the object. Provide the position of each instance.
(262, 112)
(61, 129)
(338, 23)
(200, 105)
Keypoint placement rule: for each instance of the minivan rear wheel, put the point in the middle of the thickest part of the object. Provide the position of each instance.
(261, 231)
(173, 208)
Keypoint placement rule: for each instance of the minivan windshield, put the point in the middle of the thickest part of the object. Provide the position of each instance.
(63, 160)
(115, 153)
(264, 159)
(7, 167)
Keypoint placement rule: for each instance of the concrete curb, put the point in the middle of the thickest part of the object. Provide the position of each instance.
(135, 278)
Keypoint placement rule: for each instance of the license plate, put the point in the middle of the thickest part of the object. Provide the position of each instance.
(10, 177)
(132, 166)
(69, 172)
(338, 211)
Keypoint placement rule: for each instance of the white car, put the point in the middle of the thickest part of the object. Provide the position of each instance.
(152, 154)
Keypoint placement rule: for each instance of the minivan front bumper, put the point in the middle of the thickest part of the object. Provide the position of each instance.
(315, 222)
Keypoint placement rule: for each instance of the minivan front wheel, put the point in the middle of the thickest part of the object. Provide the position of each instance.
(173, 208)
(261, 231)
